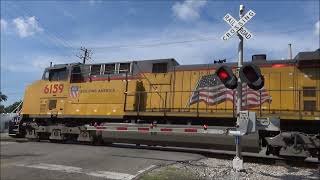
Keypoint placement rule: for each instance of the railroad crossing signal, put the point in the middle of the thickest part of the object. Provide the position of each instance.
(238, 26)
(243, 33)
(251, 74)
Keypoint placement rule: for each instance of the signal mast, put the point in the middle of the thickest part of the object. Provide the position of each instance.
(248, 73)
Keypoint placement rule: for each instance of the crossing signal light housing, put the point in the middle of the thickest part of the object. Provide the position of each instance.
(251, 74)
(227, 77)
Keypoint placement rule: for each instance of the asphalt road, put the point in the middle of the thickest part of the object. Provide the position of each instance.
(44, 160)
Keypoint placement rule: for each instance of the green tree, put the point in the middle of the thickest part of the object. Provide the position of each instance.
(2, 97)
(12, 107)
(1, 108)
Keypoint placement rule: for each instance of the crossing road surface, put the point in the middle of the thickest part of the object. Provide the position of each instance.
(43, 160)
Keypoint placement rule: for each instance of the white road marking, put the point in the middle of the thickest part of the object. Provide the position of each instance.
(54, 167)
(145, 169)
(71, 169)
(111, 175)
(7, 142)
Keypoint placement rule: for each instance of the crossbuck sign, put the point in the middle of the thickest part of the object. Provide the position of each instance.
(238, 26)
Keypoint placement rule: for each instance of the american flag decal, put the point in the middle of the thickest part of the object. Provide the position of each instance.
(74, 91)
(212, 91)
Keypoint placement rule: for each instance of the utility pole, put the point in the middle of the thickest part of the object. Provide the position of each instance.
(290, 51)
(238, 161)
(86, 56)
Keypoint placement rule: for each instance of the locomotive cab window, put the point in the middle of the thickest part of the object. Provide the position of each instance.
(95, 69)
(109, 68)
(124, 68)
(76, 75)
(160, 68)
(58, 74)
(45, 75)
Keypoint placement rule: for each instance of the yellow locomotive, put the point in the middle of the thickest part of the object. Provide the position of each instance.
(162, 90)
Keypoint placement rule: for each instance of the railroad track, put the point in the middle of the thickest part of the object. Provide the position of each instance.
(220, 154)
(249, 157)
(212, 153)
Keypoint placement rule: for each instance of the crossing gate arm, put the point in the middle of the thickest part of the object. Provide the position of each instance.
(145, 128)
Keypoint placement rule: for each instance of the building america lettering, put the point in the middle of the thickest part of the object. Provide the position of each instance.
(97, 90)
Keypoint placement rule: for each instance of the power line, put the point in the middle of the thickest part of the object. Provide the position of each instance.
(156, 44)
(54, 35)
(148, 45)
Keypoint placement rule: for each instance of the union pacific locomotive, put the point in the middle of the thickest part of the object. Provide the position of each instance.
(71, 97)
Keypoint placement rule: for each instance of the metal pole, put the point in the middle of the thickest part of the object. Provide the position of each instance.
(238, 159)
(126, 93)
(289, 52)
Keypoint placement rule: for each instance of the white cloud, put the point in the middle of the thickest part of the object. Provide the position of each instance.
(188, 10)
(27, 26)
(317, 28)
(3, 25)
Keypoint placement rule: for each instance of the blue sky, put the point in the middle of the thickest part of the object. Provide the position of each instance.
(33, 33)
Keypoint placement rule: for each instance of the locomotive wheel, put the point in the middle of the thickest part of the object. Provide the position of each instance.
(97, 141)
(53, 140)
(57, 141)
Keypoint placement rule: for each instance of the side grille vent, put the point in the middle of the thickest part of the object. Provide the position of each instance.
(43, 108)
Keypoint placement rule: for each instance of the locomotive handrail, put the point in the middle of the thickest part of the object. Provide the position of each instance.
(211, 91)
(262, 109)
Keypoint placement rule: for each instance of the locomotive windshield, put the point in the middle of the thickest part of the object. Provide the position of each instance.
(56, 74)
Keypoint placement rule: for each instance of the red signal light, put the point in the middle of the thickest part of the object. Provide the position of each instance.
(226, 76)
(278, 65)
(223, 75)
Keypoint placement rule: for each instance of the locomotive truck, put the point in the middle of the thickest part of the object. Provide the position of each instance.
(160, 102)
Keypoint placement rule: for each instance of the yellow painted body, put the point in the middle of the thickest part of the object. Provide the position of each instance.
(168, 94)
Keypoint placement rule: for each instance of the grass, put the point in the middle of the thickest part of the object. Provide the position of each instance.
(170, 173)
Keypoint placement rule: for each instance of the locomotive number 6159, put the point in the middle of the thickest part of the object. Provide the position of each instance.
(53, 88)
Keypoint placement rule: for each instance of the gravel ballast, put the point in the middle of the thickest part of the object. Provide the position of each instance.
(212, 168)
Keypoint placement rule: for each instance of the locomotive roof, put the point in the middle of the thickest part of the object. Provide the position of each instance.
(313, 55)
(301, 56)
(204, 66)
(142, 61)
